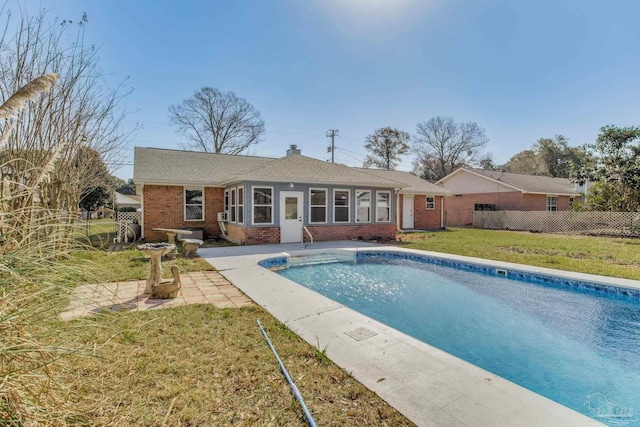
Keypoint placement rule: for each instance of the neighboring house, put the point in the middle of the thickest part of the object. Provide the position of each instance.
(264, 200)
(475, 189)
(127, 201)
(420, 203)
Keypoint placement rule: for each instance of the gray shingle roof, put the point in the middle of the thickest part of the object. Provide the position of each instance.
(304, 169)
(414, 184)
(531, 183)
(162, 166)
(156, 165)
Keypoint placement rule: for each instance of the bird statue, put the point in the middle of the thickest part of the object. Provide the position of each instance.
(168, 288)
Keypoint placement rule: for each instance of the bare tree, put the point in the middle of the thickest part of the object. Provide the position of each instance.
(386, 145)
(442, 145)
(42, 143)
(217, 122)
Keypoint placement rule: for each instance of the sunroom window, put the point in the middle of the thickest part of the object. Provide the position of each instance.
(341, 205)
(363, 206)
(262, 205)
(317, 205)
(240, 205)
(383, 206)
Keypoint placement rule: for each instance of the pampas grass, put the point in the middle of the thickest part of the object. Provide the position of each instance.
(34, 280)
(26, 93)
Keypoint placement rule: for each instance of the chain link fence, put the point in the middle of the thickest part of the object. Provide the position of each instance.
(591, 223)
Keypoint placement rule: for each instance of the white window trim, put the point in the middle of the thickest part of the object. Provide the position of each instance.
(426, 203)
(326, 205)
(225, 202)
(388, 207)
(549, 198)
(240, 202)
(370, 203)
(184, 203)
(233, 203)
(253, 205)
(348, 206)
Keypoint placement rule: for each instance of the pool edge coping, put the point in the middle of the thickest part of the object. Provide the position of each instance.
(475, 396)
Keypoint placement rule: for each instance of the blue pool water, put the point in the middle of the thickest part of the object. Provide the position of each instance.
(564, 344)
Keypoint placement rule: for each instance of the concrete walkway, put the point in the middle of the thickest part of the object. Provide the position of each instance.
(207, 287)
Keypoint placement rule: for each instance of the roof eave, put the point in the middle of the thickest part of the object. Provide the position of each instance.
(435, 193)
(175, 183)
(318, 181)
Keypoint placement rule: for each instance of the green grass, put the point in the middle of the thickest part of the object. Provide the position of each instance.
(125, 265)
(616, 257)
(98, 233)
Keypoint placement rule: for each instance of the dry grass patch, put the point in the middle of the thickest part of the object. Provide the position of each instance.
(198, 365)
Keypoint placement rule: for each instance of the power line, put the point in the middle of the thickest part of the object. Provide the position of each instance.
(331, 133)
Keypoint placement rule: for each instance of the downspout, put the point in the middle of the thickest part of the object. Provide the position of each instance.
(142, 207)
(397, 191)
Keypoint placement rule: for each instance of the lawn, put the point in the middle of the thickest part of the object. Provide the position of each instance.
(197, 365)
(616, 257)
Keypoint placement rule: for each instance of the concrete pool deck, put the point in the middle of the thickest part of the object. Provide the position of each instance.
(427, 385)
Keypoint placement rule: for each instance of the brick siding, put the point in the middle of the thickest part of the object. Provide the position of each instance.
(423, 219)
(459, 210)
(348, 232)
(164, 208)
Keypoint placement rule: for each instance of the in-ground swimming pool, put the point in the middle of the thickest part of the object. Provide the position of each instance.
(571, 342)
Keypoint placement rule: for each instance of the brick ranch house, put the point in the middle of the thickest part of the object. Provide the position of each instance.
(477, 190)
(260, 200)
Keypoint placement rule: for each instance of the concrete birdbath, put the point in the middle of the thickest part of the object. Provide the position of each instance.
(155, 251)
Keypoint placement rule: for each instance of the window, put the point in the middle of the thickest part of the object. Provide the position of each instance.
(572, 200)
(193, 203)
(226, 201)
(240, 205)
(363, 206)
(457, 196)
(317, 205)
(485, 207)
(262, 205)
(552, 204)
(341, 205)
(232, 206)
(383, 206)
(430, 203)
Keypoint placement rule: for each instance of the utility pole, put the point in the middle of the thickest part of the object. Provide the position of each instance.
(332, 133)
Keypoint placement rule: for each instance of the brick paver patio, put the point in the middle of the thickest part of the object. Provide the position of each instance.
(206, 287)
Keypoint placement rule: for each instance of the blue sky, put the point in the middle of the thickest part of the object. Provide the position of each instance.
(522, 70)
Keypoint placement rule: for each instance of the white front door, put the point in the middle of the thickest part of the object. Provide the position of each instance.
(407, 212)
(290, 216)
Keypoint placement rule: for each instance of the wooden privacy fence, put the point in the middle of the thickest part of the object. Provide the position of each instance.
(593, 223)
